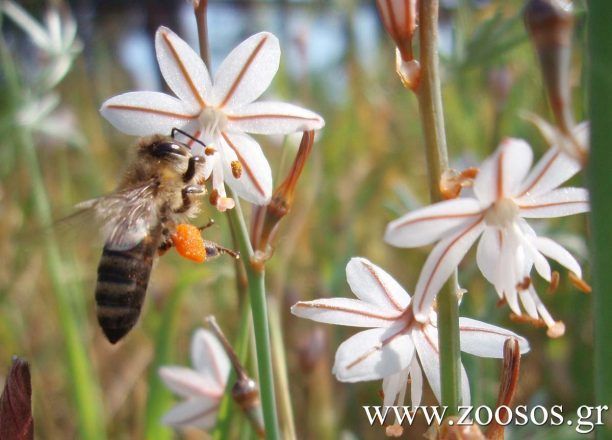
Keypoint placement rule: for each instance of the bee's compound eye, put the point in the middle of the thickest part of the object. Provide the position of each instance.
(165, 149)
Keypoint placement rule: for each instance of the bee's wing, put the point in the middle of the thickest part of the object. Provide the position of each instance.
(127, 215)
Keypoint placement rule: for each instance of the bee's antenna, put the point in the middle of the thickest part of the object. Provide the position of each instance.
(175, 130)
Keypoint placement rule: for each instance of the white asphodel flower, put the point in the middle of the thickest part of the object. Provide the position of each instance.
(56, 38)
(505, 194)
(575, 146)
(397, 346)
(219, 111)
(202, 387)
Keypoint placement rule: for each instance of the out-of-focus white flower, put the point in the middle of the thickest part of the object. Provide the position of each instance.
(398, 346)
(505, 194)
(56, 38)
(44, 117)
(575, 145)
(202, 387)
(219, 112)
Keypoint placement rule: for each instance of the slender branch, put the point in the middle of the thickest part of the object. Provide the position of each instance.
(432, 120)
(200, 10)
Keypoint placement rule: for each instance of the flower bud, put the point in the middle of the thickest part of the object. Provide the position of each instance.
(399, 19)
(282, 199)
(550, 24)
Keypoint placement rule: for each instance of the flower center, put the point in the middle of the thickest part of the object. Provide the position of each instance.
(213, 121)
(502, 213)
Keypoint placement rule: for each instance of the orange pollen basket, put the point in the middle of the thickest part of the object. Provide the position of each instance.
(189, 243)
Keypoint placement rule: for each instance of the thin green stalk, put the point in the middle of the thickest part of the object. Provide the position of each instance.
(87, 397)
(600, 164)
(432, 120)
(255, 273)
(86, 392)
(224, 416)
(259, 310)
(280, 367)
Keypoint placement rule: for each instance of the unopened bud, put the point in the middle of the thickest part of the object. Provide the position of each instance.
(394, 430)
(245, 391)
(399, 19)
(507, 387)
(550, 24)
(282, 199)
(312, 349)
(500, 82)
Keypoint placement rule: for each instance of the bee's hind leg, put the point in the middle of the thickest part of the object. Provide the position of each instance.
(210, 223)
(213, 250)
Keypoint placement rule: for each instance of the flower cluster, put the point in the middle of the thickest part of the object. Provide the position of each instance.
(404, 340)
(219, 111)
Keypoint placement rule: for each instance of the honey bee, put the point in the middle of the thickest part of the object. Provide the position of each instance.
(160, 189)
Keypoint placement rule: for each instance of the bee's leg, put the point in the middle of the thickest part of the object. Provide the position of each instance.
(213, 250)
(186, 193)
(210, 223)
(194, 161)
(166, 242)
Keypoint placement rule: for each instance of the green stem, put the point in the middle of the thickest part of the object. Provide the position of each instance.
(259, 310)
(600, 164)
(224, 417)
(280, 367)
(87, 397)
(432, 120)
(86, 392)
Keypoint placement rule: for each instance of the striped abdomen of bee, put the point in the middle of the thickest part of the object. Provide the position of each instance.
(123, 276)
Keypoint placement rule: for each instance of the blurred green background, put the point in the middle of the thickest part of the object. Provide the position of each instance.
(367, 168)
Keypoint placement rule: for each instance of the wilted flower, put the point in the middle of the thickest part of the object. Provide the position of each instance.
(219, 112)
(202, 387)
(398, 346)
(505, 193)
(57, 38)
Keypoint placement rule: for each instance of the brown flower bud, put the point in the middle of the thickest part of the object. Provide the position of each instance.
(550, 24)
(282, 199)
(399, 19)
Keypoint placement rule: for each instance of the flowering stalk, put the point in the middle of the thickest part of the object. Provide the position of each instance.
(600, 54)
(255, 274)
(432, 120)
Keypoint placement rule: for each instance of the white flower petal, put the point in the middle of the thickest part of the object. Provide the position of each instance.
(558, 253)
(345, 311)
(375, 286)
(426, 345)
(209, 358)
(441, 262)
(194, 412)
(416, 382)
(255, 182)
(188, 383)
(37, 33)
(273, 118)
(486, 340)
(557, 203)
(374, 354)
(528, 303)
(552, 170)
(466, 397)
(501, 174)
(426, 225)
(146, 113)
(182, 68)
(394, 386)
(488, 253)
(247, 71)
